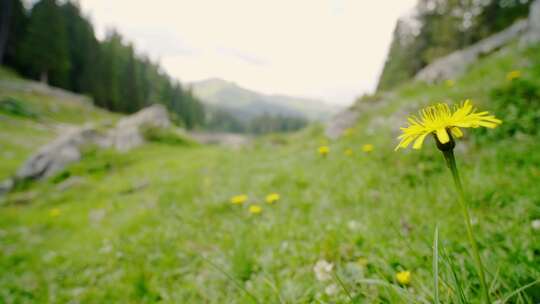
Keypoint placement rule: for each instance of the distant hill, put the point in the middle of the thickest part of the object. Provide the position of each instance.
(245, 104)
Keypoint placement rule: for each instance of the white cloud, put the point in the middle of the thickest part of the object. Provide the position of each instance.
(329, 49)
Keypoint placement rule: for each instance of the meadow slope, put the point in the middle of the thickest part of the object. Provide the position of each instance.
(156, 224)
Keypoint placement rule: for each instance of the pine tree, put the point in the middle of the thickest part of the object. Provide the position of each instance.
(5, 22)
(13, 21)
(110, 66)
(131, 97)
(83, 49)
(45, 46)
(446, 26)
(59, 46)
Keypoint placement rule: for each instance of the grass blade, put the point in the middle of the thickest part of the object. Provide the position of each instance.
(400, 291)
(457, 282)
(517, 291)
(274, 289)
(238, 285)
(436, 265)
(343, 286)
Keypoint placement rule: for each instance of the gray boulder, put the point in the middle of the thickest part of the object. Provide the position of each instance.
(126, 135)
(66, 149)
(56, 155)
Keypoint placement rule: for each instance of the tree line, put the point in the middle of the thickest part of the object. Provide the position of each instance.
(221, 120)
(55, 43)
(439, 27)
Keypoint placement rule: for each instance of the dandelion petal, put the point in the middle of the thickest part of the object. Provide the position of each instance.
(442, 135)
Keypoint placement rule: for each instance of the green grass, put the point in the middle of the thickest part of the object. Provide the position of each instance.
(20, 135)
(156, 225)
(8, 74)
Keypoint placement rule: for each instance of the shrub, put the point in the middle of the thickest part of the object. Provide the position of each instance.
(517, 103)
(15, 107)
(168, 136)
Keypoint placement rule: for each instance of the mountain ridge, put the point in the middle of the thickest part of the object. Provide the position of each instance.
(246, 103)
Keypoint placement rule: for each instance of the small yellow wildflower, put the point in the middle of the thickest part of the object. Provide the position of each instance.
(444, 123)
(348, 152)
(272, 198)
(403, 277)
(255, 209)
(54, 212)
(450, 83)
(324, 150)
(368, 148)
(239, 199)
(513, 75)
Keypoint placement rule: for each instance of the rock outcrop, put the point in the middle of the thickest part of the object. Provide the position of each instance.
(54, 156)
(454, 65)
(127, 133)
(337, 125)
(449, 67)
(533, 35)
(66, 149)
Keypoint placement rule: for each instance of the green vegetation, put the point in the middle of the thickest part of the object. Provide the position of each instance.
(12, 106)
(222, 121)
(30, 119)
(156, 224)
(169, 136)
(437, 28)
(55, 43)
(43, 54)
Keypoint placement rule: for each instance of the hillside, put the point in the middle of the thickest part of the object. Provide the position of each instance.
(246, 104)
(435, 29)
(178, 239)
(32, 114)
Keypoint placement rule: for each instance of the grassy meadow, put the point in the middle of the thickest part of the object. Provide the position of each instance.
(157, 225)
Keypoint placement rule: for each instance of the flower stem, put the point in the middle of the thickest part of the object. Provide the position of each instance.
(451, 162)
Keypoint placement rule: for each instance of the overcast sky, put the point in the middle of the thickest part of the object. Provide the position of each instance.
(328, 49)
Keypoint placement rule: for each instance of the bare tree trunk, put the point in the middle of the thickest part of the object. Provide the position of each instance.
(5, 18)
(44, 77)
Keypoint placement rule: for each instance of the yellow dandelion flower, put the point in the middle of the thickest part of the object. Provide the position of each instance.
(348, 152)
(54, 212)
(239, 199)
(513, 75)
(324, 150)
(255, 209)
(444, 123)
(403, 277)
(450, 83)
(272, 198)
(368, 148)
